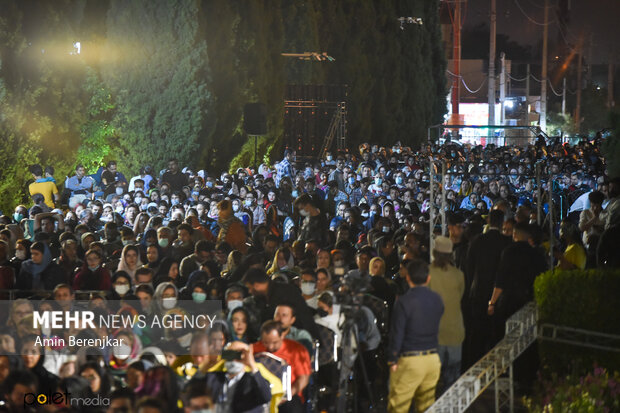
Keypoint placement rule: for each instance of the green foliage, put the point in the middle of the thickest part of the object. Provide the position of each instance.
(163, 78)
(611, 146)
(98, 135)
(595, 392)
(156, 67)
(579, 299)
(559, 124)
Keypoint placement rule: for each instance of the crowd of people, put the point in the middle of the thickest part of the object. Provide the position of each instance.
(297, 253)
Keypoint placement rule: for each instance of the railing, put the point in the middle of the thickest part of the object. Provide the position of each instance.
(15, 294)
(521, 332)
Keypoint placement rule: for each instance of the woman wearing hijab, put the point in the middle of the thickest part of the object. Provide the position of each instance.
(39, 272)
(168, 272)
(130, 261)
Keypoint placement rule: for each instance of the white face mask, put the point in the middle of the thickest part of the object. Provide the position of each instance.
(232, 304)
(20, 254)
(169, 302)
(235, 207)
(304, 213)
(307, 288)
(119, 190)
(122, 352)
(121, 289)
(234, 366)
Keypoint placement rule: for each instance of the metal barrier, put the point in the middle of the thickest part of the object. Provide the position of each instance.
(521, 332)
(15, 294)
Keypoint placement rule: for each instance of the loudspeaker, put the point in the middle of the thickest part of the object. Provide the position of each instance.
(255, 119)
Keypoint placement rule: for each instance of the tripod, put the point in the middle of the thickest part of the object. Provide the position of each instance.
(350, 353)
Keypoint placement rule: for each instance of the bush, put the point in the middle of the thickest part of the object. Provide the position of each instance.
(594, 392)
(586, 300)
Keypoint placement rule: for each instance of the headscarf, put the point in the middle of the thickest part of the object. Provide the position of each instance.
(122, 265)
(30, 267)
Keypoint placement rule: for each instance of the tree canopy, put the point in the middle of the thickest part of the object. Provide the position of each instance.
(154, 79)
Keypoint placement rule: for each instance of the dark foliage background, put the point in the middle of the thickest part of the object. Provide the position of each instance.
(161, 78)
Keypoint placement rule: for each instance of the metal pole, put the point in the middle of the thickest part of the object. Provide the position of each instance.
(551, 223)
(579, 81)
(491, 80)
(502, 88)
(443, 197)
(511, 389)
(564, 96)
(543, 86)
(432, 200)
(496, 386)
(539, 193)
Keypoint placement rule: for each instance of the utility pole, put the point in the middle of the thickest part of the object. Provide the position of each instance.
(527, 96)
(564, 96)
(543, 86)
(502, 87)
(589, 76)
(456, 58)
(579, 73)
(491, 80)
(610, 82)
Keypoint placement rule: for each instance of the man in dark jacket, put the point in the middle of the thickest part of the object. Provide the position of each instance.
(235, 389)
(483, 259)
(519, 266)
(266, 295)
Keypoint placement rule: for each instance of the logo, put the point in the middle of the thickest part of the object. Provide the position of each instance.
(31, 399)
(58, 398)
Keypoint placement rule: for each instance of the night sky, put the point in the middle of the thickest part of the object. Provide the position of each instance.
(599, 17)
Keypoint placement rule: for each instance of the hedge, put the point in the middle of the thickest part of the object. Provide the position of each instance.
(584, 299)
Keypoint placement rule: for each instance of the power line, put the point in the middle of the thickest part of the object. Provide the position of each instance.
(515, 79)
(552, 89)
(529, 18)
(473, 92)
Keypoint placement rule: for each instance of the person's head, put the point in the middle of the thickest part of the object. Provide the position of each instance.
(37, 252)
(442, 252)
(362, 259)
(36, 170)
(239, 321)
(144, 275)
(93, 259)
(521, 232)
(257, 282)
(569, 233)
(323, 279)
(144, 292)
(197, 397)
(417, 273)
(173, 165)
(150, 405)
(285, 314)
(203, 250)
(121, 283)
(95, 376)
(376, 267)
(131, 255)
(121, 399)
(496, 218)
(199, 347)
(272, 335)
(18, 384)
(325, 303)
(64, 295)
(30, 351)
(112, 166)
(596, 199)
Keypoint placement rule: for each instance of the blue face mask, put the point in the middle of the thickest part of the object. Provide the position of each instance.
(351, 181)
(378, 181)
(209, 184)
(174, 202)
(199, 297)
(18, 217)
(163, 242)
(399, 180)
